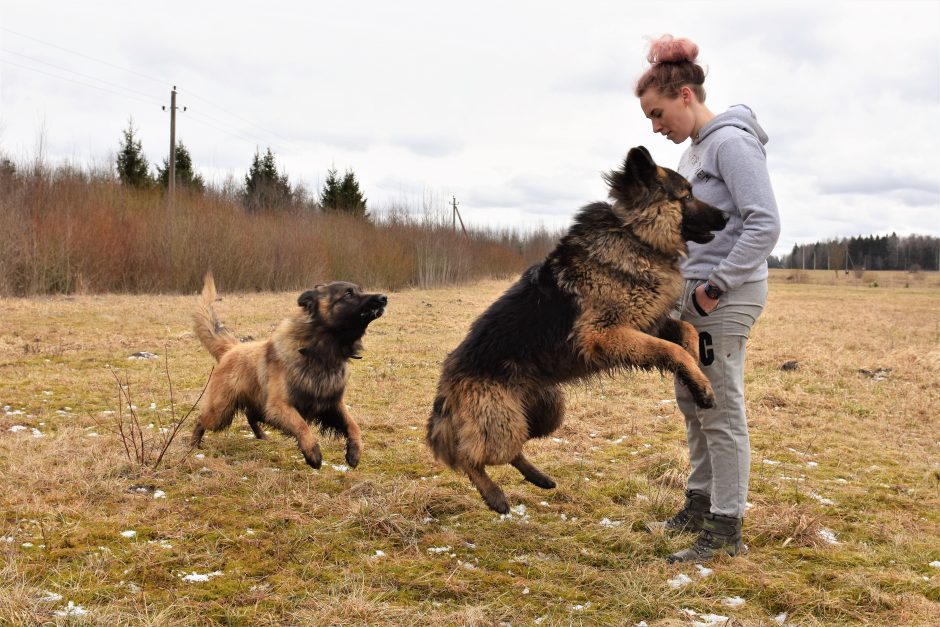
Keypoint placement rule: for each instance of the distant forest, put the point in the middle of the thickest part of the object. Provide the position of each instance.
(911, 253)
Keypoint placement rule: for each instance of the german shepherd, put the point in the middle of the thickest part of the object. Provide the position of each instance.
(600, 301)
(295, 377)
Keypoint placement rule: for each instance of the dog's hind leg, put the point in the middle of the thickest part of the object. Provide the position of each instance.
(255, 418)
(491, 493)
(196, 440)
(532, 474)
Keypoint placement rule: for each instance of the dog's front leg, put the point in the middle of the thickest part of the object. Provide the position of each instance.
(610, 347)
(339, 415)
(682, 333)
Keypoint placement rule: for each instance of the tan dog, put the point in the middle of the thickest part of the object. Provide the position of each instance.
(295, 377)
(600, 301)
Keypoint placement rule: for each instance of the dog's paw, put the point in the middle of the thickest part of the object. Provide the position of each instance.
(353, 453)
(498, 503)
(706, 398)
(314, 457)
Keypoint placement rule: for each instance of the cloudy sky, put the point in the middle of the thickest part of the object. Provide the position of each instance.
(515, 108)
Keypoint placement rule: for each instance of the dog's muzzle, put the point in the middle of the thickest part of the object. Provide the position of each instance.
(376, 307)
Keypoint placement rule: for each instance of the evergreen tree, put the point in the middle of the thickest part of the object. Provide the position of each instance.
(329, 197)
(132, 166)
(185, 176)
(344, 195)
(264, 187)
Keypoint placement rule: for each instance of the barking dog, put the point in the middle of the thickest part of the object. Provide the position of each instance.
(295, 377)
(600, 301)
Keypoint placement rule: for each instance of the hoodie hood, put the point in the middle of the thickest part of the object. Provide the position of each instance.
(739, 116)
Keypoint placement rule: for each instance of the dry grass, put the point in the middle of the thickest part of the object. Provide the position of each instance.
(297, 546)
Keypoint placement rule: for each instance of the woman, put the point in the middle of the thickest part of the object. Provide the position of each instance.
(725, 290)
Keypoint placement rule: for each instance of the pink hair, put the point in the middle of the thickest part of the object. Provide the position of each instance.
(672, 67)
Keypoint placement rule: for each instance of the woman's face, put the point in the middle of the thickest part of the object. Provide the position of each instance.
(672, 117)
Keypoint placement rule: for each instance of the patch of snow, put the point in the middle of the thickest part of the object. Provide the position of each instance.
(812, 464)
(196, 577)
(732, 601)
(37, 433)
(7, 539)
(339, 468)
(540, 619)
(17, 428)
(780, 618)
(379, 553)
(159, 494)
(249, 531)
(619, 440)
(702, 571)
(49, 597)
(129, 533)
(27, 545)
(93, 434)
(665, 401)
(525, 591)
(439, 549)
(828, 535)
(610, 524)
(200, 455)
(143, 355)
(771, 462)
(678, 581)
(153, 405)
(822, 499)
(71, 610)
(934, 564)
(709, 619)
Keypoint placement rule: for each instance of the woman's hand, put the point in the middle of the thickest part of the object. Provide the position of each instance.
(707, 304)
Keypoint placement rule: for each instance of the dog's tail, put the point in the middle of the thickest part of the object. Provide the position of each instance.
(209, 329)
(441, 436)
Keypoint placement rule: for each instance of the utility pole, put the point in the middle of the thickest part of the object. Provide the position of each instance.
(171, 174)
(456, 215)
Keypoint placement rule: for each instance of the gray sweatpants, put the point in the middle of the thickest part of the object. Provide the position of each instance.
(719, 447)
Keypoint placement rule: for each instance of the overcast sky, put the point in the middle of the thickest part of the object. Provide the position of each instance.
(515, 108)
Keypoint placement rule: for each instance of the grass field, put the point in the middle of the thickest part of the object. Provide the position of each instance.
(844, 526)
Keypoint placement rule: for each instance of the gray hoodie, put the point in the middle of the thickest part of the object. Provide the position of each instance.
(727, 167)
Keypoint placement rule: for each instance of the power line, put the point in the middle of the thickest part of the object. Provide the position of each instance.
(65, 69)
(72, 80)
(81, 54)
(235, 115)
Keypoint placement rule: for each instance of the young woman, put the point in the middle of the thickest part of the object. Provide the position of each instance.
(726, 285)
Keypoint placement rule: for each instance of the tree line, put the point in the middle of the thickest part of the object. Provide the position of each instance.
(265, 188)
(909, 253)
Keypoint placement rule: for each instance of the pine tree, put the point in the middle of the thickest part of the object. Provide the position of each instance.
(132, 166)
(343, 196)
(185, 176)
(329, 197)
(264, 187)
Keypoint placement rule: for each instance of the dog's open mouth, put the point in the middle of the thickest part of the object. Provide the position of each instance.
(374, 313)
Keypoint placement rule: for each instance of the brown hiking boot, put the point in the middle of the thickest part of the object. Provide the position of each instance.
(689, 518)
(720, 534)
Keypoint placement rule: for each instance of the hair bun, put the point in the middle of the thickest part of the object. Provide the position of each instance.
(668, 49)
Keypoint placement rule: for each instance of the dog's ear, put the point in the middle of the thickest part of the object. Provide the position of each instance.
(640, 166)
(309, 299)
(629, 184)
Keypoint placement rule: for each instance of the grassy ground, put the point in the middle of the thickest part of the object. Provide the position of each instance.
(246, 533)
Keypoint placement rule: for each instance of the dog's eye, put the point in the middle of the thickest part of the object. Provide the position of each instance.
(348, 294)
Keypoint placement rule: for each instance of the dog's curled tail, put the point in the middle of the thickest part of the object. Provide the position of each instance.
(441, 437)
(209, 329)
